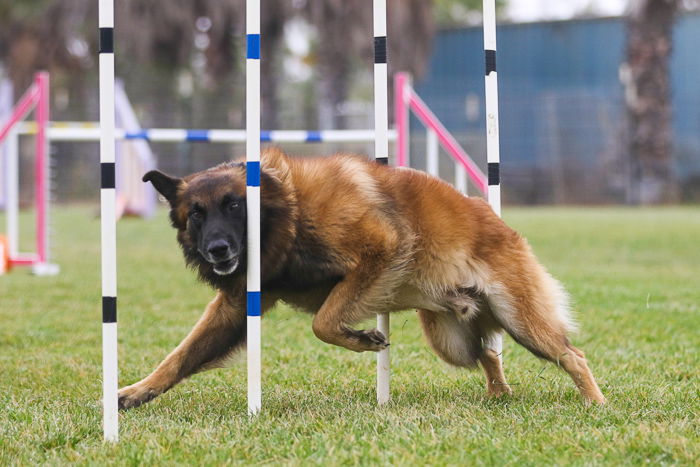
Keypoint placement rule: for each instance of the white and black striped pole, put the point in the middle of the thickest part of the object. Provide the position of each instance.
(381, 153)
(253, 204)
(491, 88)
(108, 223)
(494, 341)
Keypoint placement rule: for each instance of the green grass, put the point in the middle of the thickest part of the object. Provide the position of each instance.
(634, 275)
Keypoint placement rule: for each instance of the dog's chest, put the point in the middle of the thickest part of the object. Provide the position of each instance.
(308, 263)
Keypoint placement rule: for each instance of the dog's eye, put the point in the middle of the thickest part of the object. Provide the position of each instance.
(232, 206)
(196, 215)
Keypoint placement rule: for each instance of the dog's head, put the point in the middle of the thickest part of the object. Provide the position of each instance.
(209, 210)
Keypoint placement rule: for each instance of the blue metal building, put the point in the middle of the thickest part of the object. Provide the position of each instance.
(562, 105)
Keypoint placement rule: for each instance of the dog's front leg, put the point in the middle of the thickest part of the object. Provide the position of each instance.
(357, 297)
(218, 333)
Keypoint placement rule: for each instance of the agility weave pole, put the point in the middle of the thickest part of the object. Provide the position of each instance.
(495, 341)
(252, 119)
(108, 221)
(381, 154)
(253, 137)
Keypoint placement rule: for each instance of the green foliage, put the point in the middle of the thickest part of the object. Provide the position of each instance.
(22, 10)
(632, 274)
(460, 12)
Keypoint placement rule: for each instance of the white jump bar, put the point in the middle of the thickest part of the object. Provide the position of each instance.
(84, 133)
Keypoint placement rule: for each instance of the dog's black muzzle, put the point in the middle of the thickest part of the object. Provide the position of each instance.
(220, 253)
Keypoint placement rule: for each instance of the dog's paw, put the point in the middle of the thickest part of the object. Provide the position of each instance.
(372, 340)
(595, 400)
(135, 395)
(497, 390)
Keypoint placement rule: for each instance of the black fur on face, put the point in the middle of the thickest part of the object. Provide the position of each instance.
(217, 230)
(208, 209)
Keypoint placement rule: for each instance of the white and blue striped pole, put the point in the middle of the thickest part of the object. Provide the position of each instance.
(253, 204)
(381, 153)
(108, 223)
(494, 341)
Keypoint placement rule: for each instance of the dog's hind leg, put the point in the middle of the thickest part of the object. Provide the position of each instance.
(490, 357)
(218, 333)
(536, 316)
(464, 343)
(453, 340)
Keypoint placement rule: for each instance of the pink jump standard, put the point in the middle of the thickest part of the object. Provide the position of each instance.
(37, 98)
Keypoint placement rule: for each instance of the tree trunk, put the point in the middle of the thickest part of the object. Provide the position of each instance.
(649, 45)
(275, 16)
(333, 83)
(338, 25)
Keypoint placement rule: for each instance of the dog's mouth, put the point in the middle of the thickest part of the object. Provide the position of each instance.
(226, 267)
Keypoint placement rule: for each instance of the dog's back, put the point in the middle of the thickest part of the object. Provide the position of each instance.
(349, 199)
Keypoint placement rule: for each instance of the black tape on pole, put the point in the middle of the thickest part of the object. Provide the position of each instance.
(106, 40)
(380, 49)
(494, 173)
(108, 175)
(490, 61)
(109, 309)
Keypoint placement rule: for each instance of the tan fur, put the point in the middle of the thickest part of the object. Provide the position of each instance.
(388, 240)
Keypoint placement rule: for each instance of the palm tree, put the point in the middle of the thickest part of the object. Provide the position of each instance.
(344, 31)
(649, 46)
(181, 54)
(41, 34)
(275, 15)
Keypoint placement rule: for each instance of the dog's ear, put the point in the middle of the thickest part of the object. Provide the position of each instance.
(164, 184)
(275, 164)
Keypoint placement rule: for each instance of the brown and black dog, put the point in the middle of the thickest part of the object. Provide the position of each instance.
(345, 239)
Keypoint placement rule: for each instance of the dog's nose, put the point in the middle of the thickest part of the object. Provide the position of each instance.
(218, 249)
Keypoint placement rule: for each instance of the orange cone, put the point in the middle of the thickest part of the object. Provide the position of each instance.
(4, 255)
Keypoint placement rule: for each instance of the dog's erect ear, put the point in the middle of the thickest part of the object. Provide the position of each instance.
(275, 165)
(164, 184)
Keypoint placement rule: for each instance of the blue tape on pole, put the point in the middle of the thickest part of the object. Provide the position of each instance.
(313, 137)
(137, 135)
(253, 46)
(197, 135)
(253, 173)
(253, 302)
(265, 136)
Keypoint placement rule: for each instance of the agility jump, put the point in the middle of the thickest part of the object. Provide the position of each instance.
(37, 98)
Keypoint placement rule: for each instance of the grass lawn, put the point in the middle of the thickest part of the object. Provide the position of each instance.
(634, 275)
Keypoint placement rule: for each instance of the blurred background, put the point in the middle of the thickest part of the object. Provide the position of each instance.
(599, 99)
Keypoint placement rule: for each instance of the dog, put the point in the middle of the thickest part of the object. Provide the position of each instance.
(345, 239)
